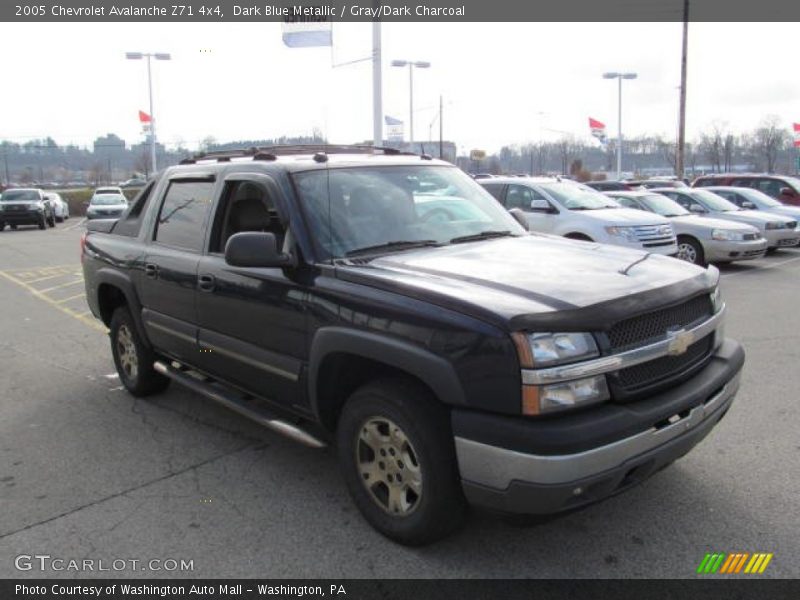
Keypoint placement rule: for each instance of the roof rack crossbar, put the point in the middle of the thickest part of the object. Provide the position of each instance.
(271, 152)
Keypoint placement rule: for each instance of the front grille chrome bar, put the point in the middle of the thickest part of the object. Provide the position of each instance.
(674, 345)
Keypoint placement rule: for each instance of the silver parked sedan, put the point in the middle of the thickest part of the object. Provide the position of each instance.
(755, 200)
(701, 240)
(780, 231)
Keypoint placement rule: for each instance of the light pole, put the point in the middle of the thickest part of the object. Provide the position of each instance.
(148, 56)
(420, 64)
(619, 77)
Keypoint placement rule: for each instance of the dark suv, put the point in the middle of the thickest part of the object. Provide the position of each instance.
(388, 304)
(781, 187)
(26, 206)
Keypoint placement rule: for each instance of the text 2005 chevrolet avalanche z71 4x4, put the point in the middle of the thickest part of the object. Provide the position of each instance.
(388, 304)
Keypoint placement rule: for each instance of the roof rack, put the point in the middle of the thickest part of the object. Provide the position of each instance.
(272, 152)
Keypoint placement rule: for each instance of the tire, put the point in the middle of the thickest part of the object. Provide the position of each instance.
(402, 423)
(51, 221)
(2, 225)
(134, 361)
(690, 250)
(59, 219)
(771, 251)
(42, 223)
(13, 227)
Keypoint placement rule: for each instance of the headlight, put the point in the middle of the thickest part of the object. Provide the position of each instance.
(775, 225)
(626, 233)
(538, 350)
(727, 235)
(556, 397)
(36, 206)
(716, 300)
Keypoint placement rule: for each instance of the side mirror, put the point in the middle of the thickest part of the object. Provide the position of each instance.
(540, 205)
(786, 191)
(520, 217)
(696, 208)
(748, 205)
(255, 249)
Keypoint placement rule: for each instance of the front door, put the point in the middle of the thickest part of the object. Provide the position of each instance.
(252, 321)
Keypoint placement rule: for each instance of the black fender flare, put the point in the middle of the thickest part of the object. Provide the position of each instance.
(433, 370)
(122, 282)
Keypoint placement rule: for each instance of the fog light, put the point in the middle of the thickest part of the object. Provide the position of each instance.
(556, 397)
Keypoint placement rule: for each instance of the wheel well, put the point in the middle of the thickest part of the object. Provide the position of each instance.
(685, 236)
(109, 298)
(341, 374)
(579, 236)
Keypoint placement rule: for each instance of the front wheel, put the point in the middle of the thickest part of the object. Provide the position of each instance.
(396, 451)
(51, 221)
(691, 251)
(133, 359)
(42, 222)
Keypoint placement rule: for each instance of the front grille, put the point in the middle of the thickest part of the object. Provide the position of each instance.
(648, 374)
(653, 326)
(654, 233)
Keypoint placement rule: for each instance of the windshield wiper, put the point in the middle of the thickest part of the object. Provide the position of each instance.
(394, 245)
(483, 235)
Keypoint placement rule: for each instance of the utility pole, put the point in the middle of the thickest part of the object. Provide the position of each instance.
(680, 159)
(377, 85)
(441, 127)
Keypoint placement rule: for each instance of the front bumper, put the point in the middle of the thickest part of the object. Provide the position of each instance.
(782, 238)
(21, 217)
(717, 251)
(561, 464)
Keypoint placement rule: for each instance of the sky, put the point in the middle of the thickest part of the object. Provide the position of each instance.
(501, 83)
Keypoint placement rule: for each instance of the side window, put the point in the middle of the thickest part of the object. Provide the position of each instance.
(521, 196)
(495, 189)
(245, 206)
(742, 183)
(627, 202)
(730, 196)
(183, 214)
(131, 222)
(681, 199)
(771, 187)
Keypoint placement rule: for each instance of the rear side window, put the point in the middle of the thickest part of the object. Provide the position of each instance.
(183, 213)
(130, 223)
(495, 189)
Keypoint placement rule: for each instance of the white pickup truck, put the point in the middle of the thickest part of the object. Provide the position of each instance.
(563, 208)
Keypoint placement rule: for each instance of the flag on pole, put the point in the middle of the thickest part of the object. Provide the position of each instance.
(394, 129)
(796, 135)
(146, 121)
(598, 130)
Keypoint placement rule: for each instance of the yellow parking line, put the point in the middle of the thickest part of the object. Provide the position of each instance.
(61, 274)
(75, 297)
(63, 285)
(93, 323)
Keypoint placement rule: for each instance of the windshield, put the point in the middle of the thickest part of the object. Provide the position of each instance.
(714, 202)
(573, 197)
(661, 205)
(759, 198)
(352, 209)
(16, 195)
(106, 191)
(108, 199)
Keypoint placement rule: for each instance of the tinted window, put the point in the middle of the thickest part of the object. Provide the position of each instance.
(627, 202)
(130, 223)
(520, 196)
(495, 189)
(183, 214)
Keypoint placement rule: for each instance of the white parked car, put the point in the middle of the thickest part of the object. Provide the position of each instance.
(60, 208)
(780, 231)
(751, 199)
(106, 206)
(111, 189)
(701, 240)
(579, 213)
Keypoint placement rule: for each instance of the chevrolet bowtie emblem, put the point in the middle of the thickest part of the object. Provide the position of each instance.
(680, 342)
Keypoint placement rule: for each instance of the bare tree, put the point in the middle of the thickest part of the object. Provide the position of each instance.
(769, 138)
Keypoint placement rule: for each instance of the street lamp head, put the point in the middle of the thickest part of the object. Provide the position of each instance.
(610, 75)
(399, 63)
(133, 55)
(162, 56)
(629, 75)
(422, 64)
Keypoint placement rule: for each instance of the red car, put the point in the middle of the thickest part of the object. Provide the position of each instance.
(783, 188)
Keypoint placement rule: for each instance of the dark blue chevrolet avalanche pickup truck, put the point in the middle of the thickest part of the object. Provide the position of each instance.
(388, 305)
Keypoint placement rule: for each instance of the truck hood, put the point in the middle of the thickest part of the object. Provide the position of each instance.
(535, 280)
(621, 216)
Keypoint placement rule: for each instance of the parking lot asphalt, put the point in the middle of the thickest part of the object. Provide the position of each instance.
(89, 472)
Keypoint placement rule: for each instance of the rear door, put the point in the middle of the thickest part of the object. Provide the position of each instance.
(169, 280)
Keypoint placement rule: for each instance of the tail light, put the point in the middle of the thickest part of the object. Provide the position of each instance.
(83, 244)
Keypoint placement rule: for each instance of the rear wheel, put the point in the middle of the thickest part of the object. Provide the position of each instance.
(13, 227)
(579, 236)
(690, 250)
(51, 221)
(42, 222)
(133, 359)
(397, 455)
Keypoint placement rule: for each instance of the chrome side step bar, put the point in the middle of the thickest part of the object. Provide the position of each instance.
(240, 406)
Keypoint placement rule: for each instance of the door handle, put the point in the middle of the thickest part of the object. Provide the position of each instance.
(151, 270)
(206, 283)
